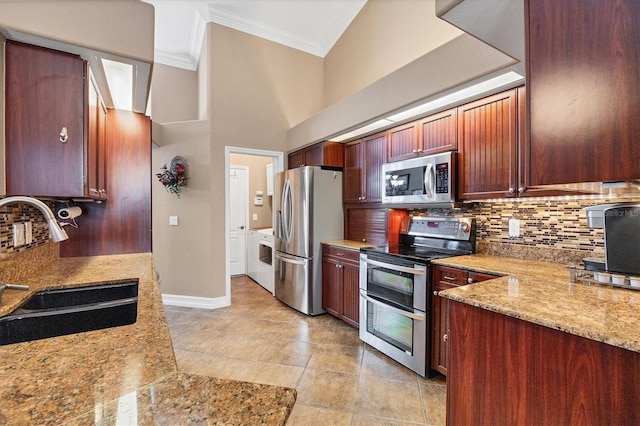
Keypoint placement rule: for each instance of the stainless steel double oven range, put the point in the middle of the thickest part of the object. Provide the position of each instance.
(395, 286)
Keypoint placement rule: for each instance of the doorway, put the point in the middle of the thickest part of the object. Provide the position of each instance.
(254, 198)
(238, 211)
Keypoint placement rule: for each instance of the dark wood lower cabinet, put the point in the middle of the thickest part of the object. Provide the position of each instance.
(340, 276)
(445, 278)
(506, 371)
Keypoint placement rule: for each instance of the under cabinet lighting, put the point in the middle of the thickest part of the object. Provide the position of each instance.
(423, 109)
(458, 96)
(120, 80)
(363, 130)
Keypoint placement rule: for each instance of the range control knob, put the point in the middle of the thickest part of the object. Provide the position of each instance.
(464, 227)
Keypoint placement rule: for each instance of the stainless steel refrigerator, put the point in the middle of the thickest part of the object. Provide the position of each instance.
(308, 203)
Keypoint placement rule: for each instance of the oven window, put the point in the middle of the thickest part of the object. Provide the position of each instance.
(393, 328)
(391, 285)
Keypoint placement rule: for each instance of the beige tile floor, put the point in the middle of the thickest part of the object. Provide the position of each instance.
(339, 379)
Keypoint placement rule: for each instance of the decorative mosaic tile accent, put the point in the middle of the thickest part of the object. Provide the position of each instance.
(550, 230)
(20, 213)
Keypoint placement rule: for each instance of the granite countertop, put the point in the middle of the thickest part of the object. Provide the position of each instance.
(540, 292)
(127, 373)
(355, 245)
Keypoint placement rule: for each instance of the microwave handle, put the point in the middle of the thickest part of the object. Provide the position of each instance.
(430, 180)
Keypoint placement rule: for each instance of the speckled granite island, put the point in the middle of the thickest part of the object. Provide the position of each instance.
(540, 292)
(125, 375)
(533, 348)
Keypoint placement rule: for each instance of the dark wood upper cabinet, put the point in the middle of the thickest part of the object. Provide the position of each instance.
(330, 154)
(49, 125)
(488, 147)
(438, 132)
(96, 143)
(362, 180)
(403, 142)
(583, 77)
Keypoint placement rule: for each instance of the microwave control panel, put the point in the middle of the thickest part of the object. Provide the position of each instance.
(442, 178)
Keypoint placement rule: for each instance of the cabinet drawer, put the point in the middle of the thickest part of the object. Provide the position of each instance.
(451, 276)
(341, 252)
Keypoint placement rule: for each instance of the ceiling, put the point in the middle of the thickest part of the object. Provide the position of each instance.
(312, 26)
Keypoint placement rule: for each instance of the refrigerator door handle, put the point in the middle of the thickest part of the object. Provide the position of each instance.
(288, 259)
(287, 210)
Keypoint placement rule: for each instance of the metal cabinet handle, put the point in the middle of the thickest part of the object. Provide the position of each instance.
(415, 151)
(512, 190)
(470, 280)
(445, 337)
(521, 190)
(64, 136)
(435, 292)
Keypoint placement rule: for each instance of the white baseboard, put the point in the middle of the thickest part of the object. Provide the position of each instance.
(195, 302)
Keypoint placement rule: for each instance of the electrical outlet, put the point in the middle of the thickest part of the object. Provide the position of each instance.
(18, 234)
(173, 220)
(28, 232)
(255, 216)
(514, 228)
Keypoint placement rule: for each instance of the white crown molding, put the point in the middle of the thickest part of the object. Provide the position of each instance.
(189, 60)
(195, 302)
(222, 17)
(176, 59)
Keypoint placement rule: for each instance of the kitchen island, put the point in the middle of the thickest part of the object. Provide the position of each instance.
(126, 373)
(533, 348)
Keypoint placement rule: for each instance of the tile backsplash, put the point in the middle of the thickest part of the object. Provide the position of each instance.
(552, 230)
(20, 213)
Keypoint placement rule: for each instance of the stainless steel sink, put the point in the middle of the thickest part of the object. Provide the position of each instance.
(52, 313)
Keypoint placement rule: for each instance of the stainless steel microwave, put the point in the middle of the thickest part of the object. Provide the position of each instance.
(427, 181)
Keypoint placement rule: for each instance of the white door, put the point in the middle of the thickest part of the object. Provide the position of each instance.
(237, 219)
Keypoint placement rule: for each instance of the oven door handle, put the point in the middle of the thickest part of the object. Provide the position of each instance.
(414, 271)
(418, 317)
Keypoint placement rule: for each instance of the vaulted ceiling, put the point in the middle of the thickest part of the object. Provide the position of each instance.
(312, 26)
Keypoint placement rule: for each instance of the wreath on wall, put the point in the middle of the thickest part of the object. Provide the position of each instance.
(175, 176)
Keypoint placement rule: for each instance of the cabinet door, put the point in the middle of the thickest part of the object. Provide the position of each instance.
(583, 77)
(313, 155)
(403, 142)
(295, 159)
(352, 185)
(375, 155)
(438, 132)
(487, 143)
(350, 293)
(96, 141)
(366, 225)
(443, 279)
(440, 326)
(45, 91)
(331, 285)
